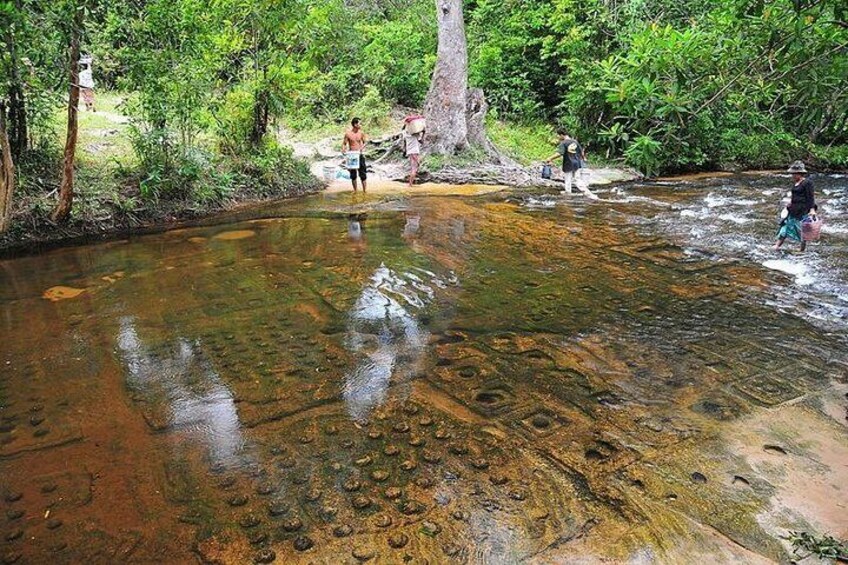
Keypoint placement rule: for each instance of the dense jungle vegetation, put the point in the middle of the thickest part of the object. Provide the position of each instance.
(663, 85)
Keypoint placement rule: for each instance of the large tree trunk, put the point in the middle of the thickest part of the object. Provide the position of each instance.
(445, 108)
(7, 173)
(66, 189)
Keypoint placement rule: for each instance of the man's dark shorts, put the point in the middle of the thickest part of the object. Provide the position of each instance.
(361, 172)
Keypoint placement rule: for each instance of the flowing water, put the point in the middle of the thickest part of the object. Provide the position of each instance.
(470, 378)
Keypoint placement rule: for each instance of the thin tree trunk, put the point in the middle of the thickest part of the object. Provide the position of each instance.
(445, 107)
(66, 189)
(7, 173)
(17, 129)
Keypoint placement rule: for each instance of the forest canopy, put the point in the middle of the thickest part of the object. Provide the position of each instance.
(664, 85)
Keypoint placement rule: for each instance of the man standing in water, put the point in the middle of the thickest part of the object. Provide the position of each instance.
(573, 156)
(802, 201)
(354, 141)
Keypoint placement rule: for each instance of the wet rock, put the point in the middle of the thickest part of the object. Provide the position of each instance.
(313, 494)
(451, 549)
(329, 512)
(431, 456)
(382, 520)
(498, 479)
(13, 496)
(249, 521)
(375, 434)
(409, 465)
(424, 482)
(342, 531)
(459, 515)
(429, 528)
(738, 479)
(58, 546)
(391, 450)
(14, 514)
(300, 478)
(361, 502)
(264, 489)
(352, 485)
(442, 498)
(398, 540)
(364, 461)
(287, 463)
(278, 509)
(303, 543)
(698, 477)
(363, 553)
(293, 524)
(594, 455)
(54, 523)
(411, 409)
(442, 434)
(237, 500)
(459, 449)
(425, 421)
(257, 538)
(36, 419)
(393, 493)
(14, 534)
(48, 488)
(401, 427)
(480, 464)
(379, 475)
(417, 441)
(265, 556)
(540, 422)
(774, 449)
(518, 495)
(412, 507)
(11, 557)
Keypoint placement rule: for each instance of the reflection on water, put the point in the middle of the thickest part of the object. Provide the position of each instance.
(386, 338)
(186, 386)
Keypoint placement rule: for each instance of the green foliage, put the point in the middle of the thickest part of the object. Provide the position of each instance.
(823, 547)
(525, 142)
(833, 157)
(645, 154)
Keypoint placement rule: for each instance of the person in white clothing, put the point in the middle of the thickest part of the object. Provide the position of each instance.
(412, 142)
(86, 83)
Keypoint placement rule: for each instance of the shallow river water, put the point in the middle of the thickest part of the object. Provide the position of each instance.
(501, 378)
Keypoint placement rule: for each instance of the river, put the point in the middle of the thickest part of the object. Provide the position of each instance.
(477, 377)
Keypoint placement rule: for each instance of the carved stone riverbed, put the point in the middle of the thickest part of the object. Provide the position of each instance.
(511, 377)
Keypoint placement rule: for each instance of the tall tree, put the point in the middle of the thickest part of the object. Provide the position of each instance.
(445, 107)
(66, 189)
(7, 173)
(12, 18)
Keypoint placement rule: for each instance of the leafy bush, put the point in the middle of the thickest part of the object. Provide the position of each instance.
(835, 157)
(644, 153)
(757, 150)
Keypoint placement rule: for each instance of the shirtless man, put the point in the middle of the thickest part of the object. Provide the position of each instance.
(354, 140)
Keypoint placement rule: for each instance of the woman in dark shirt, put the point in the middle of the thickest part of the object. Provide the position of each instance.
(803, 200)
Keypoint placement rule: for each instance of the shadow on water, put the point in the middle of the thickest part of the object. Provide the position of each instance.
(490, 379)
